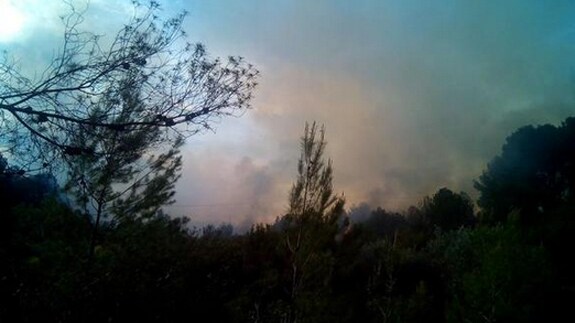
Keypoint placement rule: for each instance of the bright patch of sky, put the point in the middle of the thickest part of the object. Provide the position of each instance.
(11, 21)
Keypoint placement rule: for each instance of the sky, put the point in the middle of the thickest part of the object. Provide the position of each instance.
(414, 95)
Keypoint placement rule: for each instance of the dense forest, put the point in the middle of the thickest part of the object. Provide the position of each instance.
(90, 153)
(439, 261)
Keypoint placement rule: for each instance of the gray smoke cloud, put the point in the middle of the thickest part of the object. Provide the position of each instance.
(415, 95)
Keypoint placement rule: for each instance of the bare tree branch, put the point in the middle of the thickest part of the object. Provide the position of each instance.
(183, 89)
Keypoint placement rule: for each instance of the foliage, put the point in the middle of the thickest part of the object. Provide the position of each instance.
(534, 174)
(42, 256)
(82, 87)
(532, 182)
(113, 113)
(385, 224)
(138, 162)
(310, 226)
(493, 275)
(448, 210)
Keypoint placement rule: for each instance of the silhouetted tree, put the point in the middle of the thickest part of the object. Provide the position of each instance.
(133, 172)
(533, 182)
(494, 276)
(82, 86)
(311, 222)
(385, 224)
(534, 174)
(16, 187)
(114, 112)
(140, 272)
(448, 210)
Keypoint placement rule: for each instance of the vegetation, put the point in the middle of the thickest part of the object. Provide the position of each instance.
(109, 115)
(439, 262)
(99, 248)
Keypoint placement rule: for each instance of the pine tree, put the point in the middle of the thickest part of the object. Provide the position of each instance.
(311, 224)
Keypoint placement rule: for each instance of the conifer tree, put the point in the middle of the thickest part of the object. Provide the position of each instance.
(311, 223)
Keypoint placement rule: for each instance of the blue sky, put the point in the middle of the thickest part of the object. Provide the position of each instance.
(415, 95)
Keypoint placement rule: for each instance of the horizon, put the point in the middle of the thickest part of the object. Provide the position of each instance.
(413, 97)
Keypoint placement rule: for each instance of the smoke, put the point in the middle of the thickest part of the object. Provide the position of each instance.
(415, 95)
(216, 187)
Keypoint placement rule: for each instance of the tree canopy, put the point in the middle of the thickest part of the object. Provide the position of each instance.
(311, 222)
(312, 265)
(180, 88)
(534, 174)
(448, 210)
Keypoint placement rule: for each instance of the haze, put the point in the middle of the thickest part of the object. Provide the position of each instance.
(415, 95)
